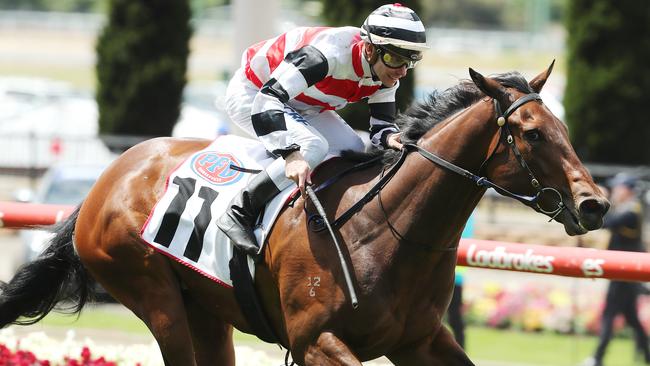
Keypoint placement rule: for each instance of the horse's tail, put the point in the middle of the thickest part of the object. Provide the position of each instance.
(57, 275)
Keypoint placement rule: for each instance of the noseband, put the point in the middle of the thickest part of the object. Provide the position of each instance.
(507, 138)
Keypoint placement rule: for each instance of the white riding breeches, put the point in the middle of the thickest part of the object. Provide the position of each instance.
(317, 134)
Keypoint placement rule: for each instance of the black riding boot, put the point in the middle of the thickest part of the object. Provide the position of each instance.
(237, 223)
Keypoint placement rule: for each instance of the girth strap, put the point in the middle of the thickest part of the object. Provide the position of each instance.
(248, 298)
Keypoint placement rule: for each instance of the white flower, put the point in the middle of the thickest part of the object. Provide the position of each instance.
(46, 348)
(55, 351)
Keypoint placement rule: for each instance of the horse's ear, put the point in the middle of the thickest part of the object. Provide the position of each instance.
(490, 87)
(538, 81)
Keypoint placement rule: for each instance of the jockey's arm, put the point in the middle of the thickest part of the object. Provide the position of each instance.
(383, 131)
(299, 70)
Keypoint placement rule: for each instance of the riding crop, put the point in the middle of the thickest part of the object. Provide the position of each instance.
(344, 264)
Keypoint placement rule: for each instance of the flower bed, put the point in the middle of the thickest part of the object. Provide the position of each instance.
(37, 349)
(27, 358)
(535, 307)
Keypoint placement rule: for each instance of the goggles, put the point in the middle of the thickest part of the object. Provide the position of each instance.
(395, 61)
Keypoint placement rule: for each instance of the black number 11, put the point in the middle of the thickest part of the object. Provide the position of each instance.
(171, 218)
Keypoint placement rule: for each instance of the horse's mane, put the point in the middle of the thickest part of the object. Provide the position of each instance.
(422, 116)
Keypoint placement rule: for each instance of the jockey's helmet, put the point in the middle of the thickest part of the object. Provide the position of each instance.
(397, 29)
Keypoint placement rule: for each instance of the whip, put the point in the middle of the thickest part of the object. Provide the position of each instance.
(344, 264)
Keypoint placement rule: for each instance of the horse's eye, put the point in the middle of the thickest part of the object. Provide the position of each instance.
(533, 135)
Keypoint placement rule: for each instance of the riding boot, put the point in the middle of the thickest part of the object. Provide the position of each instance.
(238, 221)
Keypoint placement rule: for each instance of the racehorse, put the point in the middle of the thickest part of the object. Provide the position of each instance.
(400, 245)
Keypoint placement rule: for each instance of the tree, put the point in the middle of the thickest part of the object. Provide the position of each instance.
(469, 13)
(345, 13)
(608, 80)
(493, 14)
(83, 6)
(141, 64)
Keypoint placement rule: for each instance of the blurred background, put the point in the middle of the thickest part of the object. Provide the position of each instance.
(82, 80)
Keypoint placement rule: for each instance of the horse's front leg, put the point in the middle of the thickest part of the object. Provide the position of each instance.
(438, 350)
(329, 350)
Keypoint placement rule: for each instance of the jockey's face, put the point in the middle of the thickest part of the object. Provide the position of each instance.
(387, 75)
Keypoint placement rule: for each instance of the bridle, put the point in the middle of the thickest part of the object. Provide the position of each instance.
(507, 138)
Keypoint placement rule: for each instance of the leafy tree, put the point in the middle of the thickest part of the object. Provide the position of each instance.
(142, 60)
(492, 14)
(22, 4)
(53, 5)
(608, 80)
(466, 13)
(346, 13)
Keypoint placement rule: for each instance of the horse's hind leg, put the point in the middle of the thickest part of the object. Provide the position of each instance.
(166, 318)
(144, 282)
(211, 336)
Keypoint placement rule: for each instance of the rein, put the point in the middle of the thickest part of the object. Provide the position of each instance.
(347, 215)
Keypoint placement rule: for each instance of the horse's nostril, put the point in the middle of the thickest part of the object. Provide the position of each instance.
(593, 206)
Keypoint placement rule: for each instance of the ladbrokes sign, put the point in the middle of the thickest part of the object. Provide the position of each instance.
(500, 258)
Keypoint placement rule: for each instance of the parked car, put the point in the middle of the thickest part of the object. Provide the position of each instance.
(62, 184)
(203, 112)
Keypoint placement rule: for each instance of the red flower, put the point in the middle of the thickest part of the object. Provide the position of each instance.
(26, 358)
(85, 354)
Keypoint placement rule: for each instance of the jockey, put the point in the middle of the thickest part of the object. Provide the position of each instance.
(287, 90)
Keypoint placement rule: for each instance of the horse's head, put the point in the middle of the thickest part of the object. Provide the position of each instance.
(547, 167)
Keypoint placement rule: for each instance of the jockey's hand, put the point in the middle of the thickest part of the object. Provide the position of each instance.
(297, 169)
(394, 141)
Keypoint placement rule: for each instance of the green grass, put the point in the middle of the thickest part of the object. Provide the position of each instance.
(78, 77)
(112, 319)
(484, 345)
(517, 348)
(92, 317)
(81, 77)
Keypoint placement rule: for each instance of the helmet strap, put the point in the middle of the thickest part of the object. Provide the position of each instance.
(372, 60)
(374, 56)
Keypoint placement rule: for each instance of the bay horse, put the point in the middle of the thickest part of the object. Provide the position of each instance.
(400, 245)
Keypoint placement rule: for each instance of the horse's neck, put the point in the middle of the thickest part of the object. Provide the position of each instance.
(429, 203)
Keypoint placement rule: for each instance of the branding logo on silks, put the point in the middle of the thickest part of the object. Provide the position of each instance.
(215, 167)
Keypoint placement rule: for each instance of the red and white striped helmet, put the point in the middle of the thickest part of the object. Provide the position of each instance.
(395, 25)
